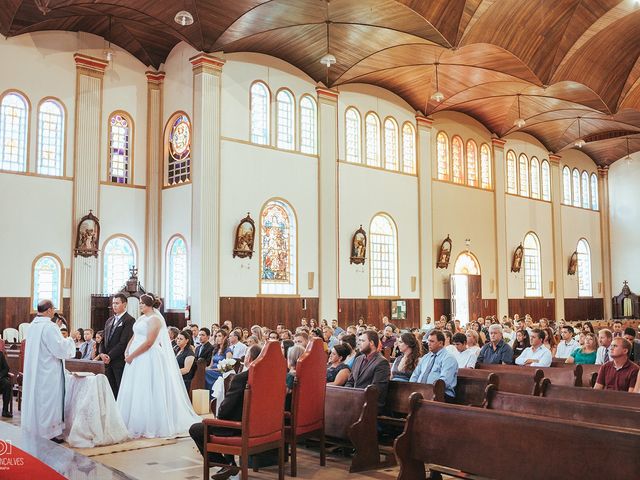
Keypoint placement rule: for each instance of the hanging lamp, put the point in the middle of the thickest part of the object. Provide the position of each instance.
(519, 122)
(437, 96)
(579, 142)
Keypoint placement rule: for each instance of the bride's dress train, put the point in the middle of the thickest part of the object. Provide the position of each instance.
(152, 398)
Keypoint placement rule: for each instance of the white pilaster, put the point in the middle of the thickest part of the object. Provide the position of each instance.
(605, 239)
(86, 179)
(503, 251)
(556, 215)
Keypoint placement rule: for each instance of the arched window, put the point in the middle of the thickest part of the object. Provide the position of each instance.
(353, 132)
(177, 274)
(308, 125)
(278, 247)
(532, 273)
(472, 163)
(457, 162)
(372, 139)
(535, 178)
(47, 281)
(584, 269)
(383, 269)
(120, 143)
(285, 121)
(179, 150)
(466, 264)
(259, 106)
(391, 144)
(585, 189)
(512, 173)
(408, 148)
(485, 166)
(50, 138)
(594, 192)
(566, 186)
(442, 150)
(14, 116)
(119, 257)
(524, 175)
(575, 179)
(546, 181)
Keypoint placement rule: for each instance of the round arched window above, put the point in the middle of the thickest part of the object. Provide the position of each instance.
(467, 264)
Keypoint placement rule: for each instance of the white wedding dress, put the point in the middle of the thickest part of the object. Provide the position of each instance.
(152, 398)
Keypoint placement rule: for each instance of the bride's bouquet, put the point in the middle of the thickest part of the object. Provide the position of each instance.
(226, 365)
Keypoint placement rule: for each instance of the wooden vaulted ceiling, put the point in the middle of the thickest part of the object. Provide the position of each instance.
(565, 59)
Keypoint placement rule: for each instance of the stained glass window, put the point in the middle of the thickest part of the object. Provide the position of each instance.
(535, 178)
(50, 138)
(585, 190)
(512, 183)
(308, 125)
(372, 137)
(391, 144)
(594, 192)
(575, 179)
(442, 150)
(532, 274)
(485, 166)
(286, 120)
(546, 181)
(408, 148)
(584, 269)
(120, 129)
(472, 163)
(566, 186)
(457, 162)
(119, 257)
(259, 113)
(179, 163)
(278, 249)
(524, 175)
(466, 264)
(13, 132)
(384, 264)
(177, 274)
(353, 135)
(47, 283)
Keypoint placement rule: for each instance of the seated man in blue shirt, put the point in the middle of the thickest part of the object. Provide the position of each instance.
(496, 351)
(438, 364)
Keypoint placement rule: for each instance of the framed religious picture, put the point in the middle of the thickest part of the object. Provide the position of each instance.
(245, 236)
(573, 264)
(87, 236)
(516, 262)
(445, 253)
(358, 247)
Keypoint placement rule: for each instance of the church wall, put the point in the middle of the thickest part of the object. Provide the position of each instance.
(176, 220)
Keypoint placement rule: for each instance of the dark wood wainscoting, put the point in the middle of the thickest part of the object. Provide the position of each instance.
(17, 310)
(536, 307)
(583, 309)
(101, 311)
(269, 311)
(442, 306)
(373, 309)
(489, 307)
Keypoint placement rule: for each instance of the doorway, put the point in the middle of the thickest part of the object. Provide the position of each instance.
(466, 289)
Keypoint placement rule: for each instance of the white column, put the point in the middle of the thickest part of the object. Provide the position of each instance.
(205, 179)
(503, 251)
(605, 239)
(425, 217)
(153, 248)
(328, 249)
(558, 255)
(86, 179)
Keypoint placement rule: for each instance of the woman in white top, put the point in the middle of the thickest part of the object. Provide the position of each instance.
(472, 341)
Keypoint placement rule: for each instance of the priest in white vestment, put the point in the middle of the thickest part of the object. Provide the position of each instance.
(43, 384)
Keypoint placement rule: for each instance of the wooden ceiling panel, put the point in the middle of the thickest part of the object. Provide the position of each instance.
(444, 15)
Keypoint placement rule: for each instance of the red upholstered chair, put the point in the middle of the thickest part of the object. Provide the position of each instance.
(307, 401)
(262, 425)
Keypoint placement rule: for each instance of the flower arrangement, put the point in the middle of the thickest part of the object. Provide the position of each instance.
(226, 365)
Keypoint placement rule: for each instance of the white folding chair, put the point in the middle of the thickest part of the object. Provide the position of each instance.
(10, 335)
(22, 330)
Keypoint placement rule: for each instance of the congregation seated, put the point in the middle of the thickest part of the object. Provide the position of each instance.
(238, 349)
(221, 351)
(438, 364)
(473, 341)
(619, 373)
(568, 344)
(370, 368)
(173, 335)
(98, 347)
(337, 370)
(204, 350)
(5, 386)
(496, 350)
(585, 355)
(537, 355)
(185, 357)
(634, 353)
(350, 339)
(407, 360)
(604, 350)
(521, 342)
(388, 339)
(465, 357)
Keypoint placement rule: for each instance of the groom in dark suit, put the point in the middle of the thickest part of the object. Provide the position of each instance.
(117, 333)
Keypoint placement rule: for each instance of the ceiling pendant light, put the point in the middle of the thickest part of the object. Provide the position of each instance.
(579, 142)
(437, 96)
(43, 6)
(519, 122)
(328, 58)
(184, 17)
(108, 52)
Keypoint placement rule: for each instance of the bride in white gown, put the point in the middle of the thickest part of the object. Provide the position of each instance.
(152, 398)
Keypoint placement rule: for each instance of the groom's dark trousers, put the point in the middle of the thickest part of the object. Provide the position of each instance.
(117, 334)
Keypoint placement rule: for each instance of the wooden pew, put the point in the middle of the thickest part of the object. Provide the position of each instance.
(558, 376)
(471, 390)
(589, 375)
(598, 413)
(607, 397)
(524, 381)
(512, 440)
(397, 403)
(198, 380)
(84, 366)
(350, 420)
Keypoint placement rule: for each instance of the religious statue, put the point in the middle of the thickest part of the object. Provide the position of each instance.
(358, 247)
(573, 264)
(445, 253)
(245, 235)
(516, 263)
(88, 236)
